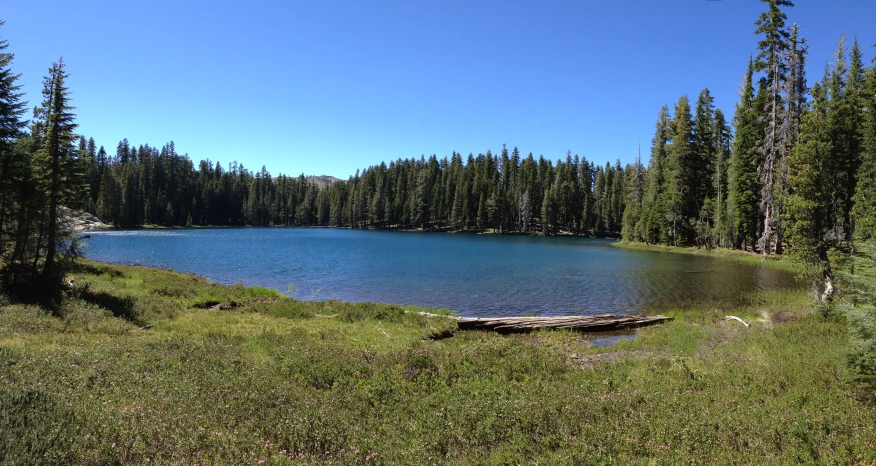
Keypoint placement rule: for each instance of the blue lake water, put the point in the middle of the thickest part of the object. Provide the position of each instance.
(473, 275)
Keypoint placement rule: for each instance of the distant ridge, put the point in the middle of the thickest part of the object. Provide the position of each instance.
(323, 180)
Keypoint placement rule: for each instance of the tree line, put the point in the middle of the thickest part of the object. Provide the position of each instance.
(505, 193)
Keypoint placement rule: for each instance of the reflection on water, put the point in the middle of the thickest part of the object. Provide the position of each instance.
(603, 339)
(474, 275)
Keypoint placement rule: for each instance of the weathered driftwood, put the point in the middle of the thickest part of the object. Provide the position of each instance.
(597, 323)
(737, 318)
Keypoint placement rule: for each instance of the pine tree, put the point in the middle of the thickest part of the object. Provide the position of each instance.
(616, 199)
(701, 170)
(635, 191)
(549, 210)
(795, 90)
(840, 126)
(858, 104)
(722, 218)
(677, 195)
(59, 162)
(93, 177)
(12, 109)
(653, 226)
(743, 192)
(808, 206)
(701, 166)
(864, 211)
(771, 60)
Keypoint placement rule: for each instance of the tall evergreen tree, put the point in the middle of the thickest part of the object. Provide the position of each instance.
(703, 159)
(864, 211)
(616, 199)
(12, 110)
(858, 106)
(720, 177)
(771, 60)
(840, 125)
(808, 207)
(653, 226)
(59, 162)
(795, 92)
(635, 192)
(701, 169)
(743, 192)
(677, 196)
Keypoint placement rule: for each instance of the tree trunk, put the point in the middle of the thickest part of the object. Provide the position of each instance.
(767, 230)
(827, 278)
(21, 234)
(780, 236)
(52, 236)
(39, 240)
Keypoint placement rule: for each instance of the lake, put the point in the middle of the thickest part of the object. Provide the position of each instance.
(473, 275)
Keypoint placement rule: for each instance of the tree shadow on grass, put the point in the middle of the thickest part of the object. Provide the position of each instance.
(81, 267)
(120, 306)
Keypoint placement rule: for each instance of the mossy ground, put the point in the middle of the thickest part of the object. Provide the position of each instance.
(281, 381)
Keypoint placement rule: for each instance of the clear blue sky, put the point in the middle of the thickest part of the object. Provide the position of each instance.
(326, 87)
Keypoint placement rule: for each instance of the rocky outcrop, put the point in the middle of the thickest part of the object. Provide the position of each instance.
(81, 221)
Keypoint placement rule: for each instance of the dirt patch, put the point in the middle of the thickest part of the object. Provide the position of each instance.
(774, 319)
(726, 331)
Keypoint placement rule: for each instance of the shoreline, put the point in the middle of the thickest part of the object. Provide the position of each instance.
(772, 261)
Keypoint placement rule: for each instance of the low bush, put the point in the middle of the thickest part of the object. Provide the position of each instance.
(857, 303)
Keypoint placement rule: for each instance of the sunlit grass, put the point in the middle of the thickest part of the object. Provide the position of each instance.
(367, 334)
(289, 382)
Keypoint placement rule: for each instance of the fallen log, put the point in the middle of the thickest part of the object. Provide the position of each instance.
(598, 323)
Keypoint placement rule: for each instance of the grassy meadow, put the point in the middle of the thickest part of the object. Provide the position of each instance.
(150, 366)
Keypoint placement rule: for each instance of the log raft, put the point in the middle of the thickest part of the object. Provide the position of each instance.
(597, 323)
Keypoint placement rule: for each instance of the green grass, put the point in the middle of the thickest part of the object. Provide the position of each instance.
(280, 381)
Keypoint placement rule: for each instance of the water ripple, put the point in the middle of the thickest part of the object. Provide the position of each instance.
(474, 275)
